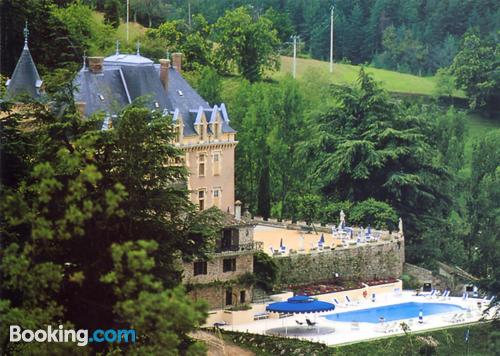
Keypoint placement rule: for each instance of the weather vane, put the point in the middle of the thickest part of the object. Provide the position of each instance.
(26, 33)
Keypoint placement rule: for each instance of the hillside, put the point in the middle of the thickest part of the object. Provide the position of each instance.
(347, 74)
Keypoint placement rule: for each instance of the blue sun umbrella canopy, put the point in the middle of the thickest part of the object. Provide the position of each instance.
(322, 239)
(300, 304)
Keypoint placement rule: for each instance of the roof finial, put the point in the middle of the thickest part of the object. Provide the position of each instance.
(138, 46)
(26, 33)
(117, 47)
(84, 60)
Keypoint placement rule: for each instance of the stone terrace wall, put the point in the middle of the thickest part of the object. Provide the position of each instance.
(363, 262)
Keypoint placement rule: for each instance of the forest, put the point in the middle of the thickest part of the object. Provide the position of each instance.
(307, 148)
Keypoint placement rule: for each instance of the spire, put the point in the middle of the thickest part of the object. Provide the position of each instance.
(138, 46)
(26, 33)
(117, 47)
(25, 79)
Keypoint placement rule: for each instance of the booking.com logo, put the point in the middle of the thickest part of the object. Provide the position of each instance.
(81, 336)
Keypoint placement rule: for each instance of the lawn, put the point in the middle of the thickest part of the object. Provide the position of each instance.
(484, 339)
(347, 74)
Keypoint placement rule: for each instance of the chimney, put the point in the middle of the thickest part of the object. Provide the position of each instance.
(164, 65)
(80, 107)
(95, 64)
(177, 61)
(237, 210)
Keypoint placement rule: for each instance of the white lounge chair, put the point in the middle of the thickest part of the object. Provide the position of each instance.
(487, 301)
(431, 294)
(337, 303)
(283, 249)
(373, 297)
(445, 295)
(465, 296)
(348, 300)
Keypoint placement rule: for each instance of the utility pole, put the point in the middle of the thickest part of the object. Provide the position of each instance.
(128, 13)
(331, 39)
(294, 66)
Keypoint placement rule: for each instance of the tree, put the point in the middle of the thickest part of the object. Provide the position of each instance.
(112, 9)
(96, 223)
(445, 83)
(210, 85)
(369, 146)
(266, 271)
(475, 68)
(251, 44)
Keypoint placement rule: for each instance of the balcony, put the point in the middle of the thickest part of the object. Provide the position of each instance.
(240, 248)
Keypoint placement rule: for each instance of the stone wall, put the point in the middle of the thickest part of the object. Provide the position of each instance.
(244, 264)
(363, 262)
(215, 295)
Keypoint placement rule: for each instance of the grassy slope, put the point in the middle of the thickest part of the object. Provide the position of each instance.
(135, 29)
(347, 74)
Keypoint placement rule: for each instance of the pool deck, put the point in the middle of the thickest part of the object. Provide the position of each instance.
(346, 332)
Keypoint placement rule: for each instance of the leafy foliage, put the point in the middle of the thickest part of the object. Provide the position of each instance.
(94, 224)
(476, 71)
(248, 43)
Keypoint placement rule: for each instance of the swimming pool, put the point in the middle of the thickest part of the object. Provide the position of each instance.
(395, 312)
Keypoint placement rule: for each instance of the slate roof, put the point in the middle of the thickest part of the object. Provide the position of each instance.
(25, 79)
(126, 77)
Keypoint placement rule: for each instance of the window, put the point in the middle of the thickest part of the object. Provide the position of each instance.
(202, 128)
(216, 158)
(217, 196)
(226, 241)
(229, 265)
(201, 165)
(200, 267)
(201, 199)
(229, 296)
(242, 296)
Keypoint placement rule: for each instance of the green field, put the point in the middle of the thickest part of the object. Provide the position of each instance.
(347, 74)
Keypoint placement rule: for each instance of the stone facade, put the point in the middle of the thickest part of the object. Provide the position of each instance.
(215, 272)
(366, 262)
(219, 280)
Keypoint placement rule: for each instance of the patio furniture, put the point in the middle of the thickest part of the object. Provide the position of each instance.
(261, 315)
(300, 304)
(310, 323)
(299, 322)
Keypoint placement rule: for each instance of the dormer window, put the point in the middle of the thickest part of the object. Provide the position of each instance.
(202, 128)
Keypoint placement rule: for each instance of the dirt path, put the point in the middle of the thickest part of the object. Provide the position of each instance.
(219, 347)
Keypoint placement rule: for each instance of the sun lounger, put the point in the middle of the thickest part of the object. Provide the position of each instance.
(283, 249)
(487, 301)
(445, 295)
(465, 296)
(431, 294)
(310, 323)
(299, 322)
(338, 304)
(262, 315)
(349, 301)
(219, 324)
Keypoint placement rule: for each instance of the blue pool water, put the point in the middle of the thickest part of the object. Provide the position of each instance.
(394, 312)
